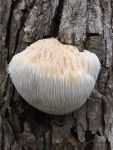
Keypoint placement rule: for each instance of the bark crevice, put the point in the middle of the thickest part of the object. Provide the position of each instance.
(56, 19)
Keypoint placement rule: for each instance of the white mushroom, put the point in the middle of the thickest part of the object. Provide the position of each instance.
(54, 77)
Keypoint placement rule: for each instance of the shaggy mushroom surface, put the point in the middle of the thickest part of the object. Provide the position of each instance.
(53, 77)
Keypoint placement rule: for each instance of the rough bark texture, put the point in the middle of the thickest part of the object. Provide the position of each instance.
(85, 23)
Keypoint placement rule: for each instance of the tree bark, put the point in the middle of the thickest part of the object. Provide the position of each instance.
(87, 24)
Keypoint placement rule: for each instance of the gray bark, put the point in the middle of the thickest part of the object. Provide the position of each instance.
(87, 24)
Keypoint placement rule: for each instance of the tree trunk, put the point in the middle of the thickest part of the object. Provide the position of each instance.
(87, 24)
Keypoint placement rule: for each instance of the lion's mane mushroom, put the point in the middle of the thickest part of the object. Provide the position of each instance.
(53, 77)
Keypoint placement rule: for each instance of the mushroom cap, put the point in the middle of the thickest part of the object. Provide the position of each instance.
(53, 77)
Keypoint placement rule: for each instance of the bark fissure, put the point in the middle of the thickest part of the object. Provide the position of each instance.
(8, 27)
(102, 115)
(56, 19)
(22, 21)
(8, 31)
(92, 34)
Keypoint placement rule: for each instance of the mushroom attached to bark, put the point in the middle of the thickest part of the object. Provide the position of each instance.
(53, 77)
